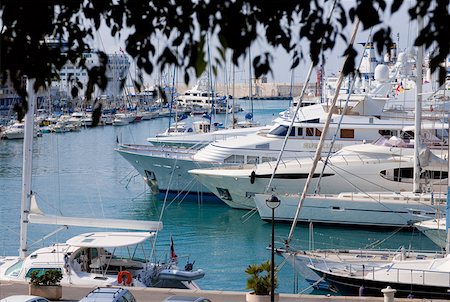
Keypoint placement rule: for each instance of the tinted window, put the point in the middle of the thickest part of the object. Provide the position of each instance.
(279, 131)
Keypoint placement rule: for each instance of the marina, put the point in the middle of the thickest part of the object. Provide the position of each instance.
(80, 174)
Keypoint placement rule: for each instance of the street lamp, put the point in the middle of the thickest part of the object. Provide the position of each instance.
(273, 202)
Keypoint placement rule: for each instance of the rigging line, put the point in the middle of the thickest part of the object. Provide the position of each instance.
(248, 215)
(305, 85)
(338, 126)
(312, 285)
(379, 242)
(323, 135)
(152, 253)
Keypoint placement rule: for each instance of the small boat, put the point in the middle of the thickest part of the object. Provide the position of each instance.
(181, 275)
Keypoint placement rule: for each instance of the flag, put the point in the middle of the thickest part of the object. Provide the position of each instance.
(399, 88)
(173, 256)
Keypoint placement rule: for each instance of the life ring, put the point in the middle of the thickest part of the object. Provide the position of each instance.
(127, 274)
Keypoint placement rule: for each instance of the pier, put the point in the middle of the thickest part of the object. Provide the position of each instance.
(159, 294)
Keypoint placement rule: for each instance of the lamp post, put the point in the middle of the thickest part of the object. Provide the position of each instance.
(273, 202)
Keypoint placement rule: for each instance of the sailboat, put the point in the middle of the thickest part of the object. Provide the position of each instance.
(93, 258)
(353, 272)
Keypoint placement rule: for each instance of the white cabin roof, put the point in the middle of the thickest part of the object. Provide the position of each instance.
(109, 239)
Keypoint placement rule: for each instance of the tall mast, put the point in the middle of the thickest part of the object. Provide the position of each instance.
(250, 80)
(447, 208)
(233, 121)
(27, 165)
(418, 111)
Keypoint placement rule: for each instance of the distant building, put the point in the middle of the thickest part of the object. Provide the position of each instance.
(116, 72)
(59, 94)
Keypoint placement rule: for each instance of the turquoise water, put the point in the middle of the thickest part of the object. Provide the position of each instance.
(80, 174)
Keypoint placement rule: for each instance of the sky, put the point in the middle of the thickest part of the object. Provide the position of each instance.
(400, 24)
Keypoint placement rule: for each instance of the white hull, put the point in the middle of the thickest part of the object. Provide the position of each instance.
(168, 167)
(348, 170)
(13, 135)
(156, 168)
(374, 209)
(435, 230)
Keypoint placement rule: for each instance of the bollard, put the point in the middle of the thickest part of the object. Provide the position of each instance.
(388, 293)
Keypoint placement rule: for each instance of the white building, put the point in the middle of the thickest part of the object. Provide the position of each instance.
(116, 72)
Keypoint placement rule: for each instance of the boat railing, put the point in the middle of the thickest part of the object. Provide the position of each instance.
(400, 275)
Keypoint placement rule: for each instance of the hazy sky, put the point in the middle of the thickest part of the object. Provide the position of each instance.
(281, 73)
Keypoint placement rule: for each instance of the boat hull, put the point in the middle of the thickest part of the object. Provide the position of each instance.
(380, 210)
(352, 287)
(168, 174)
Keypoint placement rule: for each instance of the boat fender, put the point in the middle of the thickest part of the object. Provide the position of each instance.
(252, 177)
(127, 280)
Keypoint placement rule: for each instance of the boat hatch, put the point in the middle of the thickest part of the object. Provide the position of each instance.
(14, 270)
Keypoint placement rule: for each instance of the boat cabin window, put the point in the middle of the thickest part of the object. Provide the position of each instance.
(406, 174)
(237, 159)
(41, 271)
(267, 159)
(313, 132)
(252, 159)
(281, 130)
(300, 132)
(263, 146)
(387, 133)
(441, 133)
(347, 133)
(316, 120)
(407, 135)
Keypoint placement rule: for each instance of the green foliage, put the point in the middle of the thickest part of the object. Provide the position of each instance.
(50, 277)
(259, 280)
(33, 32)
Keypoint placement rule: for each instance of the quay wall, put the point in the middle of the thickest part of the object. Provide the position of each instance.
(159, 294)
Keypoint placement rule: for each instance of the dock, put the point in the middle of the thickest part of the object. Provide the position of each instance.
(71, 293)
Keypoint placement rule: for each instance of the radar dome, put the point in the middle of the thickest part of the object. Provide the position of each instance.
(381, 73)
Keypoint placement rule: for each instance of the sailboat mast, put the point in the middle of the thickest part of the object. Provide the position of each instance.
(232, 106)
(27, 170)
(250, 92)
(318, 152)
(447, 208)
(418, 111)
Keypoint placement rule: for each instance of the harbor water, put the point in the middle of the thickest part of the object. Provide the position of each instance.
(80, 174)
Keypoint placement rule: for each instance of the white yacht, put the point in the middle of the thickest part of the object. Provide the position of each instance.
(350, 272)
(121, 119)
(385, 165)
(202, 98)
(375, 209)
(14, 131)
(167, 168)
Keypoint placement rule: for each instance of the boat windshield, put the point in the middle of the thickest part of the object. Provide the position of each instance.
(393, 141)
(14, 270)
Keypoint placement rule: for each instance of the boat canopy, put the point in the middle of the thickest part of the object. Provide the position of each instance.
(37, 217)
(109, 239)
